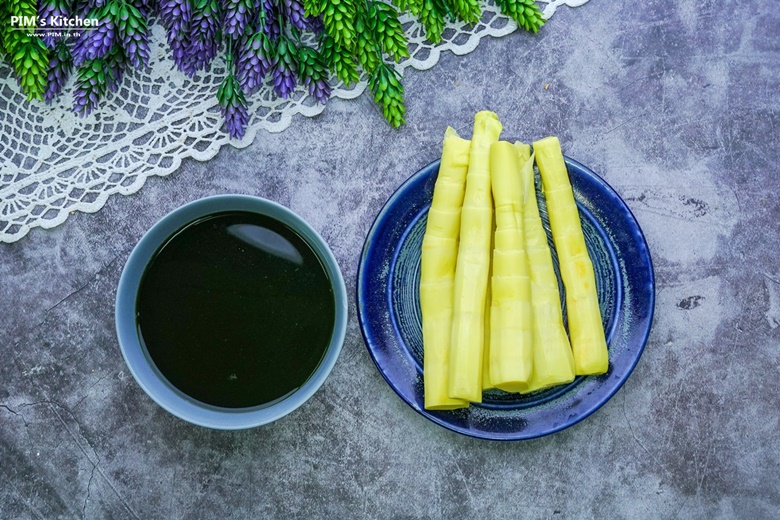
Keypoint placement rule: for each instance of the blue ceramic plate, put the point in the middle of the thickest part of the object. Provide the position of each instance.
(389, 308)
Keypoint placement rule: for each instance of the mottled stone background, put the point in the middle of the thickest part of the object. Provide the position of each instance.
(675, 102)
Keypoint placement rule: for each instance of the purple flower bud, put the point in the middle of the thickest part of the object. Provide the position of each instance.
(236, 17)
(320, 89)
(198, 56)
(136, 47)
(272, 26)
(176, 16)
(284, 79)
(255, 59)
(179, 49)
(294, 12)
(84, 99)
(233, 104)
(48, 10)
(236, 118)
(94, 43)
(60, 67)
(193, 43)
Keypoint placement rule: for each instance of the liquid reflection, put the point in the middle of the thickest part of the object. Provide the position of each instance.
(266, 240)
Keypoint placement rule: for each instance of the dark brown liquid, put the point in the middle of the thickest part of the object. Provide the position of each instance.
(236, 310)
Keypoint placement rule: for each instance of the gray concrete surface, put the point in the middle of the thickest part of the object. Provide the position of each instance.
(675, 103)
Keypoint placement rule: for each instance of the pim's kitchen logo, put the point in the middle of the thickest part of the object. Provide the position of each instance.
(33, 23)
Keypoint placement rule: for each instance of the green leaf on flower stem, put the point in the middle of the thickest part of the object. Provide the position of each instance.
(465, 10)
(313, 7)
(310, 64)
(412, 6)
(525, 12)
(30, 62)
(388, 92)
(338, 17)
(433, 20)
(339, 60)
(366, 47)
(387, 29)
(29, 57)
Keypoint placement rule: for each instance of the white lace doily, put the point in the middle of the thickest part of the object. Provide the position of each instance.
(52, 163)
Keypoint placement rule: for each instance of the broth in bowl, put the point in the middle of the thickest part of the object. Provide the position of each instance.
(236, 310)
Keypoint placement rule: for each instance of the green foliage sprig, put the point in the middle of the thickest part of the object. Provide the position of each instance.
(354, 37)
(29, 57)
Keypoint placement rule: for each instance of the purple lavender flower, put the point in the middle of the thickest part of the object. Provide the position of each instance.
(202, 38)
(294, 12)
(95, 43)
(136, 47)
(256, 56)
(198, 56)
(47, 10)
(176, 16)
(60, 67)
(95, 77)
(134, 34)
(179, 46)
(114, 65)
(284, 80)
(236, 118)
(284, 72)
(320, 89)
(148, 7)
(205, 21)
(233, 103)
(237, 15)
(272, 26)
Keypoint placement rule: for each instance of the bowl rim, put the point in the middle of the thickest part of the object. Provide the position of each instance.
(146, 373)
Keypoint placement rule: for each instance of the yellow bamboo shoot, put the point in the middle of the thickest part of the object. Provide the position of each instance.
(437, 270)
(553, 361)
(486, 384)
(588, 343)
(471, 271)
(511, 335)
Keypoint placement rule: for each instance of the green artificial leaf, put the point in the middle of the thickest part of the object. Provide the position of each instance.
(525, 12)
(387, 30)
(432, 19)
(338, 17)
(465, 10)
(388, 92)
(367, 49)
(339, 60)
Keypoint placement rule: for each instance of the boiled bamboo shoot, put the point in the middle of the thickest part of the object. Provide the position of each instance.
(586, 331)
(437, 270)
(471, 271)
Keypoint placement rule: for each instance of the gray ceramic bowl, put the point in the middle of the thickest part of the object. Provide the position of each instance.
(138, 359)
